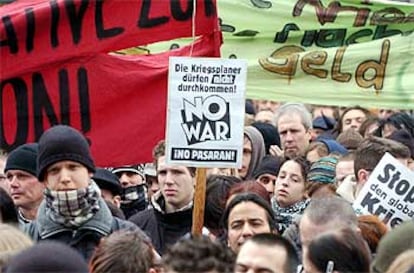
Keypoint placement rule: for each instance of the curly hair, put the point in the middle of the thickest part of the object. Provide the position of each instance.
(198, 254)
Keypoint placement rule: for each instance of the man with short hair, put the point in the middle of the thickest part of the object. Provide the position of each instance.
(151, 179)
(172, 207)
(267, 252)
(134, 197)
(294, 123)
(369, 154)
(198, 254)
(325, 214)
(24, 188)
(109, 185)
(73, 211)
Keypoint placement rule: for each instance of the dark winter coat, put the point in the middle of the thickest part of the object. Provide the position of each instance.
(85, 238)
(163, 228)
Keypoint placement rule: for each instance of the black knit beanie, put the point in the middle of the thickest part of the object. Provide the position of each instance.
(270, 165)
(48, 256)
(60, 143)
(23, 158)
(107, 180)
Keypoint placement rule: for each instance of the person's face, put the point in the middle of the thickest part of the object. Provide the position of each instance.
(386, 113)
(293, 135)
(290, 184)
(313, 156)
(343, 169)
(315, 133)
(388, 130)
(25, 190)
(3, 180)
(353, 119)
(265, 116)
(67, 175)
(153, 185)
(268, 181)
(247, 156)
(128, 179)
(267, 105)
(176, 184)
(260, 258)
(110, 197)
(410, 164)
(245, 220)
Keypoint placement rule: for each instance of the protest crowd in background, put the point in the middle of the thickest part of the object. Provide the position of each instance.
(317, 188)
(293, 198)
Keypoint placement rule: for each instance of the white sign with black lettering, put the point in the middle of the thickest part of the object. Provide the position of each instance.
(205, 116)
(389, 192)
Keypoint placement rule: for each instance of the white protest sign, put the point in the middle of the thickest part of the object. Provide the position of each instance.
(389, 192)
(205, 111)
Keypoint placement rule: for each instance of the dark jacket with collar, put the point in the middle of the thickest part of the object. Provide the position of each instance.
(85, 238)
(164, 229)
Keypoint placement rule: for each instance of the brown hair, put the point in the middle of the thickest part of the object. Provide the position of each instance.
(159, 150)
(123, 251)
(339, 127)
(371, 150)
(320, 148)
(372, 229)
(311, 188)
(249, 186)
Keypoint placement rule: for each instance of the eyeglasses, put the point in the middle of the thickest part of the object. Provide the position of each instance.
(329, 268)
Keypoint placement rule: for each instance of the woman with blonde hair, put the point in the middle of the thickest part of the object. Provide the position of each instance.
(12, 241)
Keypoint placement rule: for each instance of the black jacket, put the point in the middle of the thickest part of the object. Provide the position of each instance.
(164, 229)
(85, 238)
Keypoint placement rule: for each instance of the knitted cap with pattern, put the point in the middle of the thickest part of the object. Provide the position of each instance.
(137, 169)
(323, 170)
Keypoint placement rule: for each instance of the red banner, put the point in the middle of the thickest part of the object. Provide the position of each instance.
(118, 102)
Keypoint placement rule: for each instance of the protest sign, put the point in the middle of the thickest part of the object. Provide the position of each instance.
(322, 52)
(389, 192)
(205, 113)
(56, 69)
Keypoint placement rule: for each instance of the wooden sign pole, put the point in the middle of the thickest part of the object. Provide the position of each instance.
(199, 202)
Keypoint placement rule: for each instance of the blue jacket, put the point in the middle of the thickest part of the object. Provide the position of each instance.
(85, 238)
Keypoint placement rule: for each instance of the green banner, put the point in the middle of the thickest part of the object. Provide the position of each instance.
(344, 52)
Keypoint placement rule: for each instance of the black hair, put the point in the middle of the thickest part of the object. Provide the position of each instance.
(346, 248)
(399, 120)
(271, 240)
(8, 211)
(249, 197)
(217, 190)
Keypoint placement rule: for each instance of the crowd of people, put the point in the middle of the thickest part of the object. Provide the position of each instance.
(288, 209)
